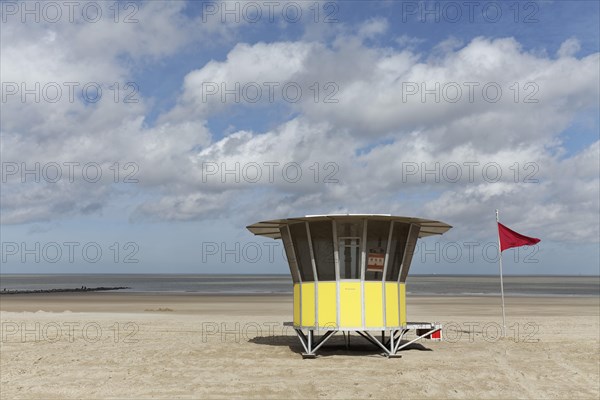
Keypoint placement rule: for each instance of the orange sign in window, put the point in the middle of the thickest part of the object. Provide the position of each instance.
(375, 261)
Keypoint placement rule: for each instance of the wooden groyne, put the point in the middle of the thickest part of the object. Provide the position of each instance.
(82, 289)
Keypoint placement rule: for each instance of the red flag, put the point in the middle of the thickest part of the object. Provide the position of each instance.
(510, 238)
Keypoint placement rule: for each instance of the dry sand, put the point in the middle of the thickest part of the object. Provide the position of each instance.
(109, 345)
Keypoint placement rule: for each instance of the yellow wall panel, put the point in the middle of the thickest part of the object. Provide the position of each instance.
(392, 312)
(350, 305)
(296, 304)
(402, 304)
(373, 304)
(327, 308)
(308, 304)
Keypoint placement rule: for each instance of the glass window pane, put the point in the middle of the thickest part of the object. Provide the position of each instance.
(321, 233)
(349, 252)
(377, 238)
(410, 250)
(399, 236)
(289, 252)
(349, 240)
(300, 241)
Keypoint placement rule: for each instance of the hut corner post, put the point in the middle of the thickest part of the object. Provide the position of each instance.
(501, 280)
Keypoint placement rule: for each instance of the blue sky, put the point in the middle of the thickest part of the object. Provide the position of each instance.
(168, 220)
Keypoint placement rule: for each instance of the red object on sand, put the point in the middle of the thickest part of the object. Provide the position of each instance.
(437, 335)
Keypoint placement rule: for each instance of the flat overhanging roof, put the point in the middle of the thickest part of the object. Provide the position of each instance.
(271, 228)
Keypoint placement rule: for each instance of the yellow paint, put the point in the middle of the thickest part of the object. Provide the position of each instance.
(392, 312)
(327, 309)
(374, 304)
(308, 304)
(297, 304)
(350, 305)
(402, 304)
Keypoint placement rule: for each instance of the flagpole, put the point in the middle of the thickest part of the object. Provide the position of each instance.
(501, 281)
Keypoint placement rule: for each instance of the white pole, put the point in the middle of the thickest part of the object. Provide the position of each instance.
(501, 281)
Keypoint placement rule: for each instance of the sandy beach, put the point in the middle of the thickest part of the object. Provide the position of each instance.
(110, 345)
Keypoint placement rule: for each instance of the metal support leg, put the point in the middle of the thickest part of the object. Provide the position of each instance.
(417, 338)
(307, 341)
(373, 340)
(367, 338)
(391, 346)
(393, 334)
(399, 340)
(302, 338)
(325, 337)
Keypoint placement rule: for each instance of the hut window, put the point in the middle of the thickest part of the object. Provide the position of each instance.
(408, 253)
(399, 236)
(289, 252)
(377, 238)
(349, 252)
(321, 233)
(349, 242)
(302, 251)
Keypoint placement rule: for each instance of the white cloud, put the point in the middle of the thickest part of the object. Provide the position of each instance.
(369, 135)
(264, 66)
(183, 207)
(409, 41)
(385, 93)
(569, 48)
(373, 27)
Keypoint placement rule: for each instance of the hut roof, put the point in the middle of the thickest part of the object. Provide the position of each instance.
(271, 228)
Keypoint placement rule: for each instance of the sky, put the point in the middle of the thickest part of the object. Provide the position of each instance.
(143, 137)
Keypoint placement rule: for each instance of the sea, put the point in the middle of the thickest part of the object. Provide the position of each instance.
(425, 285)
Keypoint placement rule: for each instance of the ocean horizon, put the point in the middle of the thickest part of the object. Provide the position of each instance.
(281, 284)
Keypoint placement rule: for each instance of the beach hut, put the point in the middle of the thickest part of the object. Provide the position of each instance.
(349, 273)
